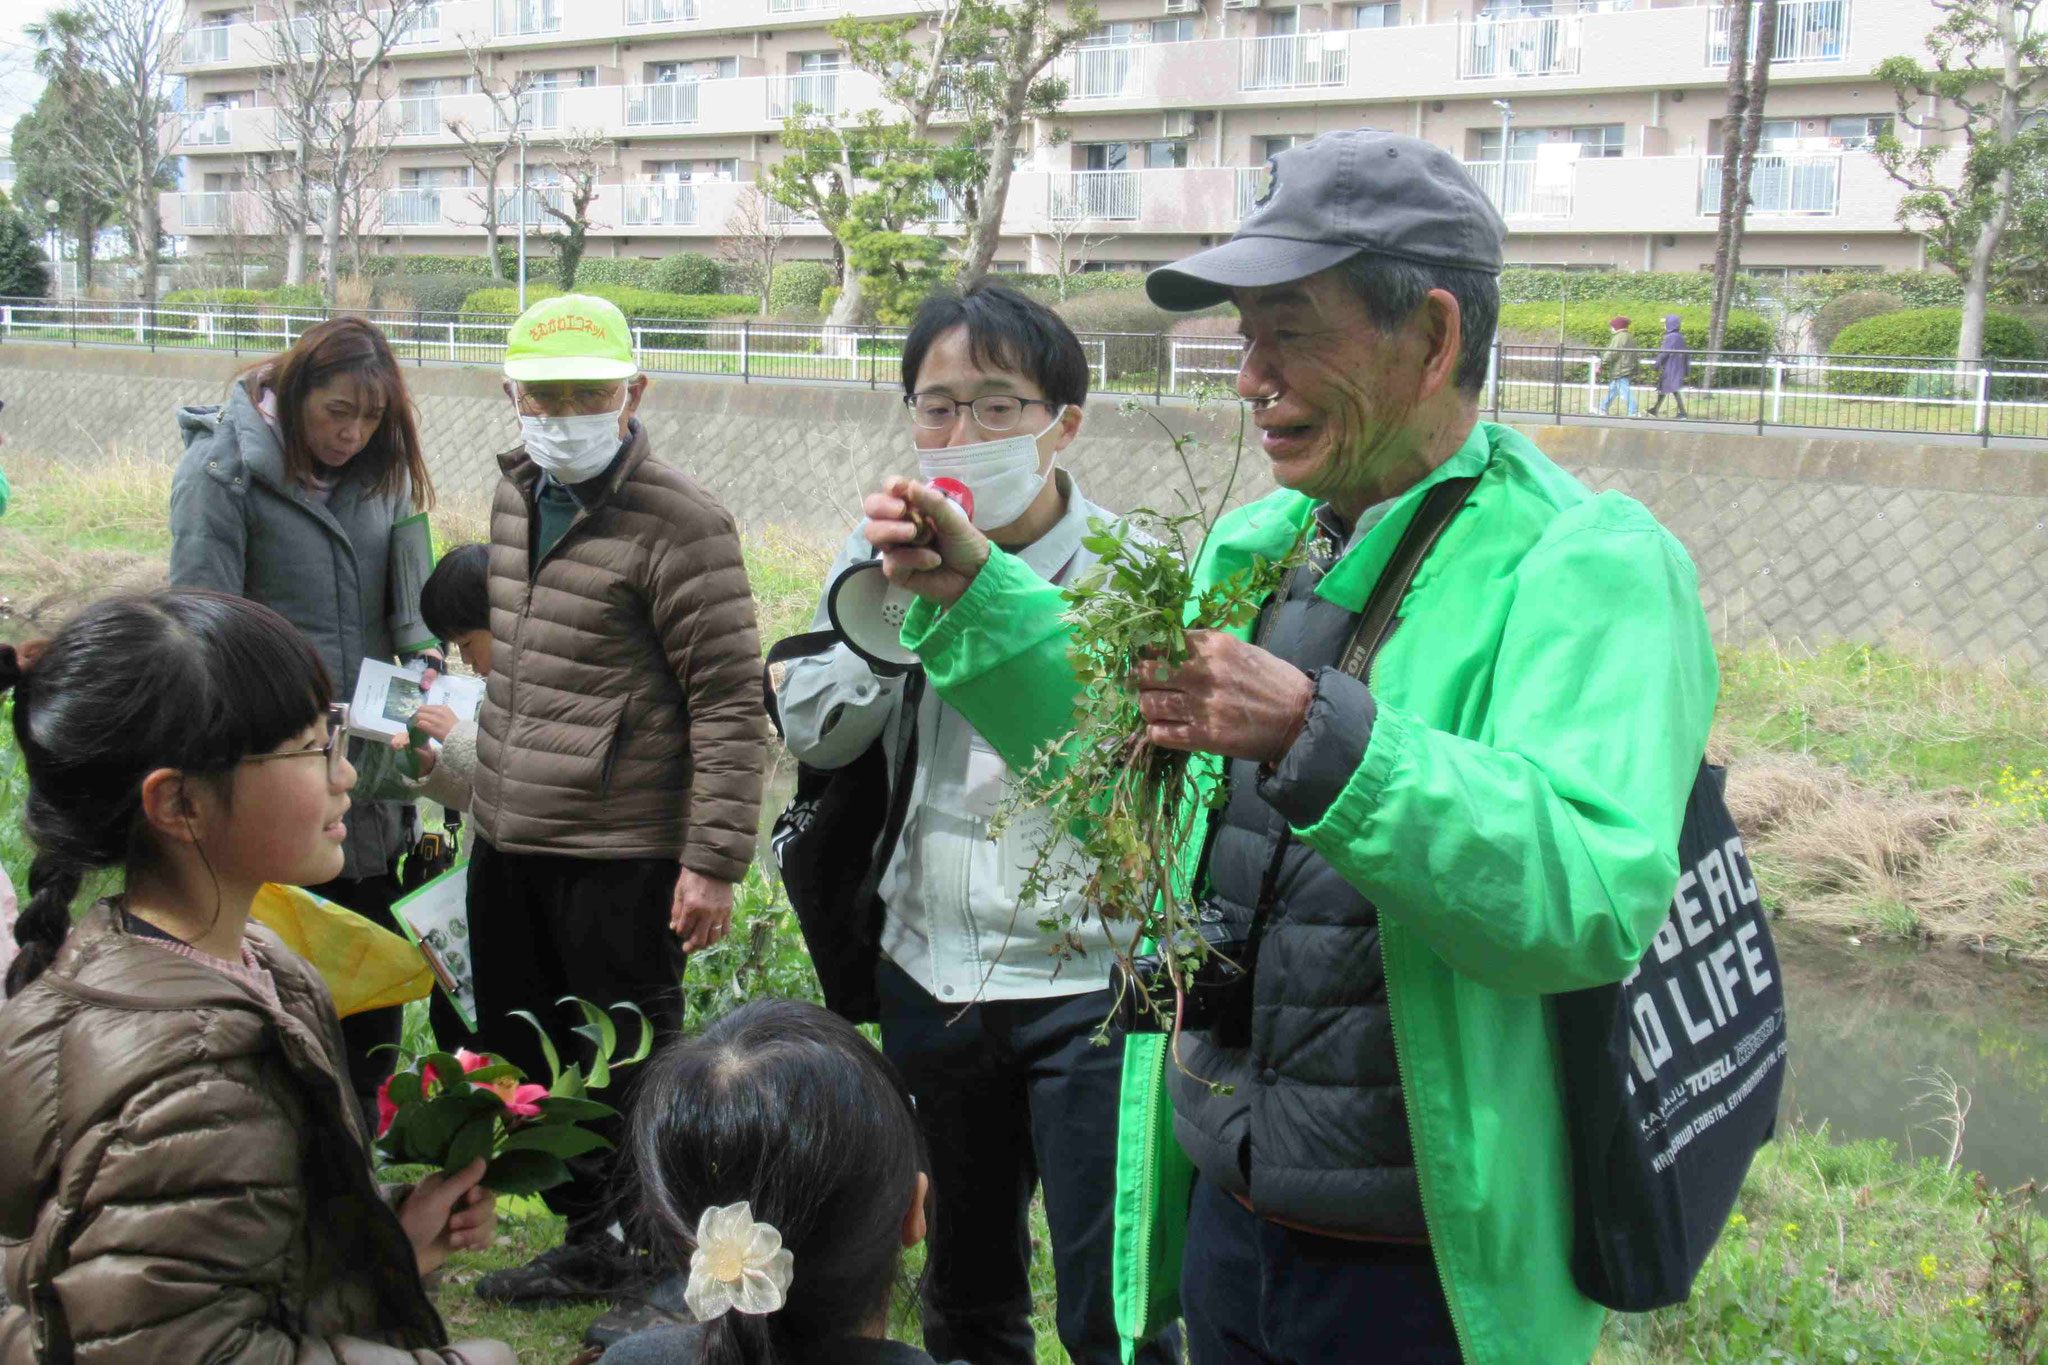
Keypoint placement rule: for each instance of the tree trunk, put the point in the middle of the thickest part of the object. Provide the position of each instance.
(86, 233)
(491, 225)
(987, 231)
(845, 313)
(295, 253)
(1977, 284)
(330, 247)
(152, 228)
(1731, 167)
(1752, 140)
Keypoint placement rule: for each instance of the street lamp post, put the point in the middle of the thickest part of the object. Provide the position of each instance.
(1507, 118)
(50, 210)
(522, 220)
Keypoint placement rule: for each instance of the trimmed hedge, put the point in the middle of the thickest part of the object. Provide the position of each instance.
(1913, 288)
(1535, 324)
(686, 272)
(1844, 310)
(639, 305)
(595, 272)
(1924, 332)
(798, 284)
(1667, 290)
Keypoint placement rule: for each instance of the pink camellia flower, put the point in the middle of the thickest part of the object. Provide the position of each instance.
(523, 1102)
(471, 1061)
(386, 1110)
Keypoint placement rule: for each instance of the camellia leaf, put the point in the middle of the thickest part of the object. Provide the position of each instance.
(646, 1036)
(502, 1071)
(404, 1088)
(526, 1172)
(563, 1139)
(471, 1141)
(575, 1110)
(569, 1085)
(547, 1047)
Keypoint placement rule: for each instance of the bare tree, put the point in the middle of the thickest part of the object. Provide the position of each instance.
(580, 160)
(488, 148)
(754, 234)
(1065, 263)
(328, 64)
(1749, 81)
(362, 214)
(282, 184)
(984, 63)
(122, 141)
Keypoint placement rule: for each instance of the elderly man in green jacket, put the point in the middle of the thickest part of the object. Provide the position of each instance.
(1490, 816)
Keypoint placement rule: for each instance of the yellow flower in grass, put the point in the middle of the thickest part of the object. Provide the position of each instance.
(1928, 1265)
(1791, 1229)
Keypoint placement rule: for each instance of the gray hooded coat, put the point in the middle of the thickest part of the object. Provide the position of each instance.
(241, 525)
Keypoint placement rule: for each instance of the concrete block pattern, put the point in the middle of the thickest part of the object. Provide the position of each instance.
(1942, 547)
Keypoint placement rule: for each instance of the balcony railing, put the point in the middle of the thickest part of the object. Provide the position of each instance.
(661, 105)
(1111, 196)
(782, 215)
(1295, 61)
(1251, 186)
(660, 12)
(423, 25)
(1105, 73)
(1491, 48)
(212, 126)
(1526, 189)
(538, 201)
(540, 109)
(215, 210)
(801, 6)
(1808, 31)
(815, 90)
(520, 18)
(661, 205)
(412, 208)
(207, 43)
(417, 116)
(1791, 186)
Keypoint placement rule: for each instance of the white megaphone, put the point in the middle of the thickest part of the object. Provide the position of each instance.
(867, 610)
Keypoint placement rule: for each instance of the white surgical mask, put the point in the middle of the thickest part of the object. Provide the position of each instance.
(1003, 475)
(573, 449)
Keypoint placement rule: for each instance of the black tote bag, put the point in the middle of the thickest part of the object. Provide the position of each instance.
(1672, 1076)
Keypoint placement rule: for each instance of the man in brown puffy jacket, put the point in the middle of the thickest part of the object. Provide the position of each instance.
(622, 738)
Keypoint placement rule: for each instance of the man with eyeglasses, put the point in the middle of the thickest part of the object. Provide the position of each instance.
(990, 1029)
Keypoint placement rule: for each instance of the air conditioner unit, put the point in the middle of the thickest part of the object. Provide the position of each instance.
(1240, 4)
(1183, 6)
(1177, 123)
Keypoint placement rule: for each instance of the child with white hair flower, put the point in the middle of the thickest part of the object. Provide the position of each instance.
(781, 1175)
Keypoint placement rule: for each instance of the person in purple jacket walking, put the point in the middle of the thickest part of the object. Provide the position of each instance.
(1673, 360)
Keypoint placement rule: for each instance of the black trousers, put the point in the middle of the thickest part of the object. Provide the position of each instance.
(543, 927)
(1011, 1095)
(369, 1039)
(1255, 1293)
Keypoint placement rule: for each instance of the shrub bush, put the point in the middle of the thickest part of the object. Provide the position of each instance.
(1122, 311)
(1086, 282)
(639, 305)
(623, 272)
(437, 293)
(1924, 332)
(798, 284)
(686, 272)
(1845, 309)
(1666, 289)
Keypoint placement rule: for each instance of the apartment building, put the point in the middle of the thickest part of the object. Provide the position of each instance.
(1594, 124)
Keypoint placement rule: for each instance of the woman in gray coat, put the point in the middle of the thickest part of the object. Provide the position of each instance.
(287, 495)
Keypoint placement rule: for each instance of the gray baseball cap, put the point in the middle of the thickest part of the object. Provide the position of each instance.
(1333, 197)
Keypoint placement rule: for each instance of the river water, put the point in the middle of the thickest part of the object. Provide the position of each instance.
(1864, 1021)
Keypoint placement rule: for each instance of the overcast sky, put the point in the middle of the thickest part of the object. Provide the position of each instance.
(19, 84)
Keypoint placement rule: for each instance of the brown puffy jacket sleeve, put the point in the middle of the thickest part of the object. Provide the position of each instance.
(704, 612)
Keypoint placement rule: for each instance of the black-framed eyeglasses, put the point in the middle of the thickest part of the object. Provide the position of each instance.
(992, 412)
(335, 750)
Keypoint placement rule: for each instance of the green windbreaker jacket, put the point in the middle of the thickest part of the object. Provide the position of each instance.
(1542, 711)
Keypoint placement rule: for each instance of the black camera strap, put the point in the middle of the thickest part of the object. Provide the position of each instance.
(1375, 626)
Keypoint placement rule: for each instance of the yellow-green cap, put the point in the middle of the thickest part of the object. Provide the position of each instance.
(573, 336)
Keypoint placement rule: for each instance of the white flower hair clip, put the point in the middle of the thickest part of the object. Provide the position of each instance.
(738, 1263)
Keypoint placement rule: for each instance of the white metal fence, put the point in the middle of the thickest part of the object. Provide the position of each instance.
(206, 43)
(212, 126)
(412, 208)
(1547, 45)
(661, 12)
(2006, 400)
(524, 18)
(1804, 183)
(1294, 61)
(815, 90)
(1808, 31)
(661, 105)
(1526, 189)
(1105, 73)
(1109, 196)
(661, 205)
(1252, 182)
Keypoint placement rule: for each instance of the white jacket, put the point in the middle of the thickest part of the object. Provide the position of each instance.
(953, 921)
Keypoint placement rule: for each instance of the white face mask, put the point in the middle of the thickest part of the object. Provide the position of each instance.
(1003, 474)
(573, 449)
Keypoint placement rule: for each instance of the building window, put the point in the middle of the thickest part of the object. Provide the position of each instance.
(1105, 156)
(1008, 267)
(1113, 35)
(817, 61)
(1282, 23)
(1600, 139)
(1270, 147)
(1855, 132)
(1166, 155)
(1372, 16)
(1522, 143)
(1173, 30)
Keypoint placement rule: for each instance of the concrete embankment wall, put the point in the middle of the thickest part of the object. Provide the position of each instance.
(1943, 547)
